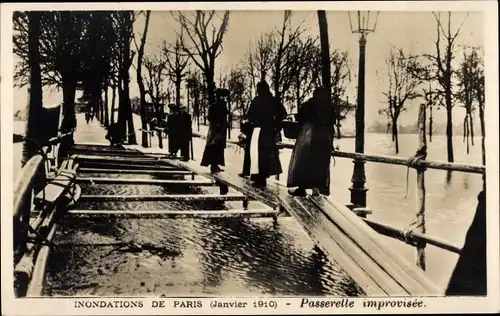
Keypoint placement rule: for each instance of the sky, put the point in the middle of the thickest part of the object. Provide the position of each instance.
(412, 31)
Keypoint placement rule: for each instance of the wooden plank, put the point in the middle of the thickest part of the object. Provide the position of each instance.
(361, 239)
(36, 284)
(109, 152)
(171, 197)
(265, 195)
(175, 213)
(96, 180)
(315, 228)
(107, 165)
(402, 265)
(140, 159)
(137, 171)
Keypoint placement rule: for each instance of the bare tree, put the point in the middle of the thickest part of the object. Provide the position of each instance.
(206, 42)
(177, 62)
(281, 41)
(156, 73)
(402, 87)
(302, 53)
(440, 69)
(479, 89)
(341, 77)
(468, 76)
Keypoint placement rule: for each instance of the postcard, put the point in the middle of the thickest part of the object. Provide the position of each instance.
(249, 158)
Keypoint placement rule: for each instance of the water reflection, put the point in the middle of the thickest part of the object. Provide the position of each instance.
(265, 258)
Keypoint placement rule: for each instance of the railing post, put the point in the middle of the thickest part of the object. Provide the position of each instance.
(420, 220)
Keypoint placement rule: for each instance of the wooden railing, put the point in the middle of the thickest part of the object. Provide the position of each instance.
(33, 174)
(416, 237)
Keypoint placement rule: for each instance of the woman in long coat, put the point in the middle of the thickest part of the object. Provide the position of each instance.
(266, 115)
(310, 161)
(213, 155)
(173, 129)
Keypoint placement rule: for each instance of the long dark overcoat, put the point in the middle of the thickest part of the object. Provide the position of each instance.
(217, 133)
(310, 161)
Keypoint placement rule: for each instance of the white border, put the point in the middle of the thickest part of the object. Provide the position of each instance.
(58, 306)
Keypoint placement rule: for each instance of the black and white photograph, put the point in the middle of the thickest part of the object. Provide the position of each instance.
(327, 155)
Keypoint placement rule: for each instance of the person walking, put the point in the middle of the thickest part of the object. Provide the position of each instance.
(185, 132)
(213, 155)
(246, 130)
(173, 130)
(266, 115)
(310, 161)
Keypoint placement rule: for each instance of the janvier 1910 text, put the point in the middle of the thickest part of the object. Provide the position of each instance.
(305, 303)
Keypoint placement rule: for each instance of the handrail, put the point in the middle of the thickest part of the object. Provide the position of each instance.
(24, 182)
(440, 165)
(390, 231)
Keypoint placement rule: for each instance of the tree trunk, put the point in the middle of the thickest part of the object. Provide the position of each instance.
(101, 105)
(69, 92)
(210, 86)
(483, 129)
(430, 124)
(113, 101)
(449, 115)
(471, 128)
(126, 81)
(466, 132)
(140, 82)
(326, 62)
(35, 105)
(106, 106)
(297, 92)
(178, 82)
(395, 133)
(464, 127)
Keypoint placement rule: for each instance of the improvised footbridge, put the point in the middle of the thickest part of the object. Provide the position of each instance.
(352, 241)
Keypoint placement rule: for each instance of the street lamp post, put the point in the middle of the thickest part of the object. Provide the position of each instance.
(365, 24)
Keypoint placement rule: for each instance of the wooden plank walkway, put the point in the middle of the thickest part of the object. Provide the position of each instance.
(342, 235)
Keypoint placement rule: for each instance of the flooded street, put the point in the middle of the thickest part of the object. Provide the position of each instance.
(187, 256)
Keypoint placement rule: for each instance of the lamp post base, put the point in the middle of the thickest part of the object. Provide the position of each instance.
(358, 190)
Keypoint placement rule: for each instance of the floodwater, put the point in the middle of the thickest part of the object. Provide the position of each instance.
(254, 257)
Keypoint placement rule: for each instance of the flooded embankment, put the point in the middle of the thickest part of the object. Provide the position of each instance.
(156, 257)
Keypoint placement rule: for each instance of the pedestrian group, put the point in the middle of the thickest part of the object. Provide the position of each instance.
(260, 129)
